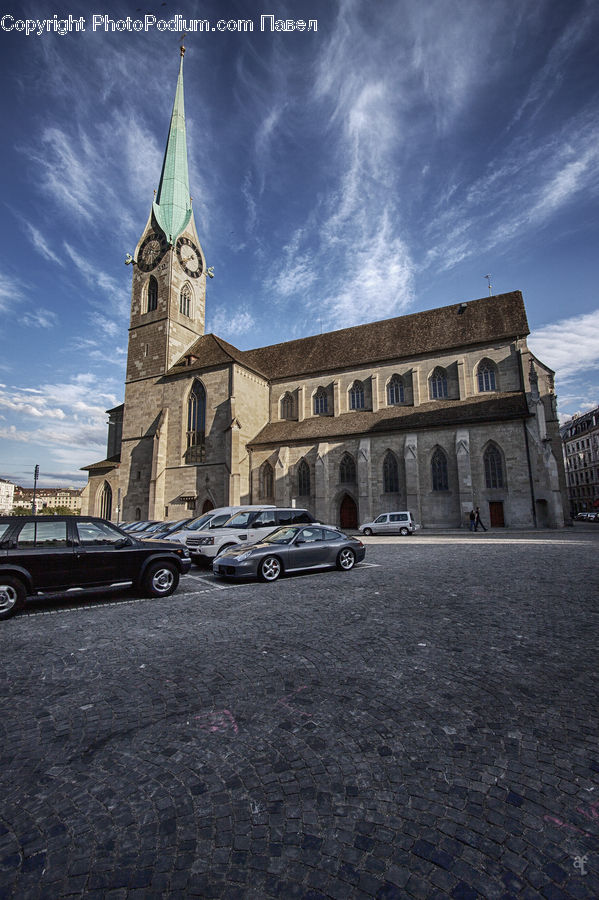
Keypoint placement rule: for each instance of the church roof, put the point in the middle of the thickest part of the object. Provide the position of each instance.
(172, 206)
(112, 462)
(476, 322)
(476, 409)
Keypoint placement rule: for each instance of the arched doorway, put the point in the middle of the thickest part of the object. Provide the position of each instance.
(208, 505)
(348, 512)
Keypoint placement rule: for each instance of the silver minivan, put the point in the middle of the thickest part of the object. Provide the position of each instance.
(390, 523)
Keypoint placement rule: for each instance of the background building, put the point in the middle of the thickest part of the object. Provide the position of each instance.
(7, 490)
(434, 412)
(48, 500)
(580, 436)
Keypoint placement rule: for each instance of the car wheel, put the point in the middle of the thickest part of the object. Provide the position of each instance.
(404, 532)
(346, 559)
(160, 579)
(12, 595)
(368, 531)
(270, 569)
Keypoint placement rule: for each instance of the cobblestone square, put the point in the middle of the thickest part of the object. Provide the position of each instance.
(422, 726)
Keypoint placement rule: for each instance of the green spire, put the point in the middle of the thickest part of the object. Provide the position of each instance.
(172, 206)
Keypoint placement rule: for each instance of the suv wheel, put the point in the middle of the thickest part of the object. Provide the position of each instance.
(368, 531)
(12, 595)
(270, 569)
(160, 579)
(404, 531)
(346, 559)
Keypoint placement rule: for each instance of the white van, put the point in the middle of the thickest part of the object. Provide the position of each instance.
(214, 518)
(248, 526)
(390, 523)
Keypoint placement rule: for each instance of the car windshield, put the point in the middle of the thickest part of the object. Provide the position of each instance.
(199, 523)
(242, 519)
(281, 536)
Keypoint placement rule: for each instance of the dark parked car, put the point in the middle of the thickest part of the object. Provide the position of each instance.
(51, 554)
(289, 549)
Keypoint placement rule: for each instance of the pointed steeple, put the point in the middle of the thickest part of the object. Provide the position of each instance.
(172, 206)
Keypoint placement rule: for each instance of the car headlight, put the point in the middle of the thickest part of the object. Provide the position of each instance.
(184, 552)
(243, 556)
(203, 542)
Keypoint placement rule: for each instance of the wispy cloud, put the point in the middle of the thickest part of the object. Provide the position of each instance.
(226, 326)
(569, 346)
(40, 318)
(40, 243)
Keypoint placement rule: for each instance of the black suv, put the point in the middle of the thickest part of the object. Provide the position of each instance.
(50, 554)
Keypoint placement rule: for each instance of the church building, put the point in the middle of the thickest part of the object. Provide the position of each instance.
(435, 412)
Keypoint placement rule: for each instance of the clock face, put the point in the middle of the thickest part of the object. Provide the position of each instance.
(151, 251)
(189, 257)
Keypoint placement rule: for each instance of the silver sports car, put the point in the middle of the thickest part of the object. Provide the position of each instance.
(290, 549)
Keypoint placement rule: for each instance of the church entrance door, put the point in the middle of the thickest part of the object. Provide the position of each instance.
(496, 514)
(208, 505)
(348, 513)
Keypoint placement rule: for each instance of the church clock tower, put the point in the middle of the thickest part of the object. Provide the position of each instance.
(169, 269)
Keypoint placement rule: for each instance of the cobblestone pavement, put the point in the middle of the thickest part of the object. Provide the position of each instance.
(423, 726)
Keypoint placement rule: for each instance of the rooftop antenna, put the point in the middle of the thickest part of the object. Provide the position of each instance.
(488, 277)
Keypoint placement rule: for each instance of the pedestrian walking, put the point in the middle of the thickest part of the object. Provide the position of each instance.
(478, 521)
(472, 520)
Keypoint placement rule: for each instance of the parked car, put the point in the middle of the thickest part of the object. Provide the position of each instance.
(390, 523)
(291, 548)
(215, 518)
(246, 527)
(163, 530)
(53, 554)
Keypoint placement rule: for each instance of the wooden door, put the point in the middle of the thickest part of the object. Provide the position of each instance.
(496, 514)
(348, 513)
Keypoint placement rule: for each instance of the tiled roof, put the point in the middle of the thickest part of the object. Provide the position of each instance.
(112, 463)
(476, 322)
(471, 411)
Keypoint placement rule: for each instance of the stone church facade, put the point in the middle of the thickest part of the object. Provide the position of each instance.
(436, 412)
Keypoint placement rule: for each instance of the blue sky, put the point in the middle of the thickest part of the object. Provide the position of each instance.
(381, 165)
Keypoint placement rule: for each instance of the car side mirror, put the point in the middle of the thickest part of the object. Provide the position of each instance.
(301, 540)
(124, 542)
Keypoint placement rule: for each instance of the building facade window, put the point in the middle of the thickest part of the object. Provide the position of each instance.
(152, 294)
(493, 467)
(106, 501)
(347, 469)
(487, 380)
(356, 395)
(267, 481)
(390, 473)
(196, 424)
(438, 384)
(395, 391)
(287, 406)
(321, 403)
(303, 479)
(185, 300)
(439, 474)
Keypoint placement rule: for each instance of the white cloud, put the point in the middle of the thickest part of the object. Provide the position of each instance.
(40, 318)
(40, 243)
(226, 326)
(569, 346)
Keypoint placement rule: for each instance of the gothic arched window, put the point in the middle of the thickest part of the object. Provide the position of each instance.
(303, 479)
(390, 473)
(267, 480)
(356, 395)
(395, 392)
(321, 403)
(493, 467)
(106, 501)
(152, 294)
(486, 376)
(287, 406)
(196, 424)
(185, 300)
(438, 384)
(347, 469)
(439, 470)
